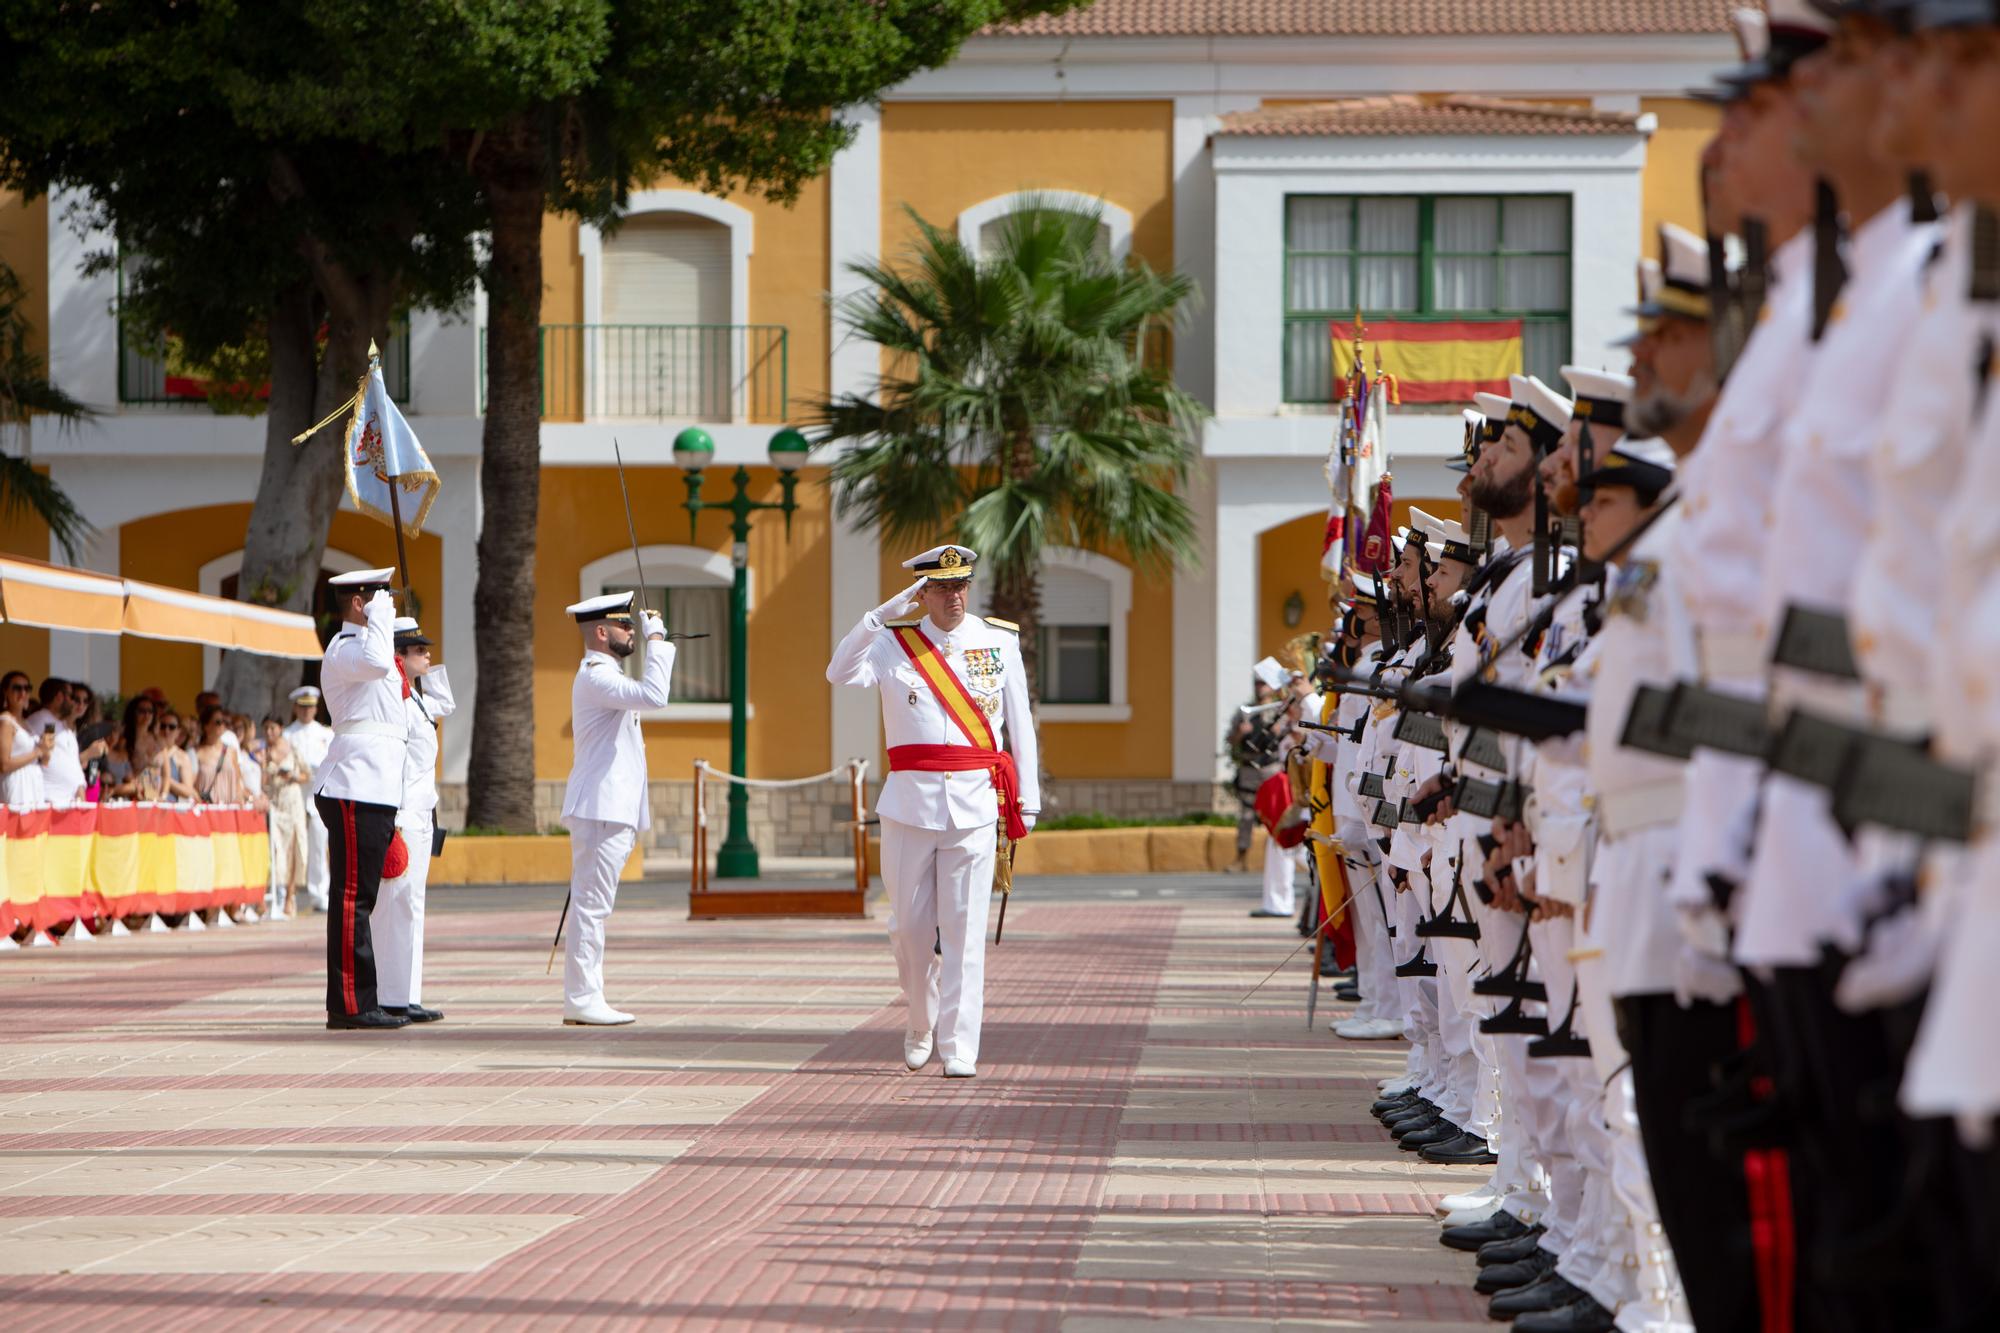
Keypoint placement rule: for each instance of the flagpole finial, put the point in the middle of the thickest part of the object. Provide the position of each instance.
(374, 352)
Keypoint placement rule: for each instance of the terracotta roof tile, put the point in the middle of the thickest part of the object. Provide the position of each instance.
(1408, 115)
(1379, 18)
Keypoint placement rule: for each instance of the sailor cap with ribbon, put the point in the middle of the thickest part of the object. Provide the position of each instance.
(408, 635)
(613, 606)
(1647, 466)
(1538, 410)
(1600, 395)
(1448, 541)
(943, 564)
(363, 580)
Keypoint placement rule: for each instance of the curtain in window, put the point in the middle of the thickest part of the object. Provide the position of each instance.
(1467, 233)
(1318, 282)
(1535, 282)
(701, 666)
(1387, 225)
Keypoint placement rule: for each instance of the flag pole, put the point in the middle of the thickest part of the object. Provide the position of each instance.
(395, 500)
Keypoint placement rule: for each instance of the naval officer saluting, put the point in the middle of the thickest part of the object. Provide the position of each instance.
(605, 807)
(952, 686)
(360, 787)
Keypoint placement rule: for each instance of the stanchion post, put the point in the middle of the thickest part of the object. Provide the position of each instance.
(860, 829)
(698, 878)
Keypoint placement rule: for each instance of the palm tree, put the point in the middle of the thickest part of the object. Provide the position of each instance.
(1026, 404)
(25, 390)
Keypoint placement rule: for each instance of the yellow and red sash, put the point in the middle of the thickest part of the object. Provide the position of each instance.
(983, 750)
(957, 701)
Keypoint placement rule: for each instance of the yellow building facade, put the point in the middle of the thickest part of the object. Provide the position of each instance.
(716, 312)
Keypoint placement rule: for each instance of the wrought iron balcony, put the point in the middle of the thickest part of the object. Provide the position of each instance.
(661, 372)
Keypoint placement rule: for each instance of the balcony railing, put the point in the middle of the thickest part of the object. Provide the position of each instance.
(147, 373)
(660, 372)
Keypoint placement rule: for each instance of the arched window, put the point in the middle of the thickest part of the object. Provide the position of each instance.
(1086, 612)
(979, 226)
(689, 586)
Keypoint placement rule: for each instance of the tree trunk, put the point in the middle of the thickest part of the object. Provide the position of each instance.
(297, 493)
(501, 775)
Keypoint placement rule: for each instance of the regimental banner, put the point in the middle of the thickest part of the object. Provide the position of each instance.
(1435, 362)
(382, 451)
(88, 862)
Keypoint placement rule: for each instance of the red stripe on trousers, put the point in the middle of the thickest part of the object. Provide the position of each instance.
(353, 890)
(1767, 1174)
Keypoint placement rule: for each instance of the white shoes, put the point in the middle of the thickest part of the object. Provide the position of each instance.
(957, 1068)
(1368, 1029)
(1466, 1216)
(1467, 1199)
(916, 1049)
(596, 1014)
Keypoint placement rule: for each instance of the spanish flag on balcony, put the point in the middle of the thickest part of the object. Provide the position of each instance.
(1442, 362)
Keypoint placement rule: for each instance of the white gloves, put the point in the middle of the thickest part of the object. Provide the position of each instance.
(901, 604)
(1029, 820)
(382, 604)
(1699, 976)
(652, 626)
(1895, 966)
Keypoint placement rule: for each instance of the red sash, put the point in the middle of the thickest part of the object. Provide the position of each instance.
(983, 752)
(998, 764)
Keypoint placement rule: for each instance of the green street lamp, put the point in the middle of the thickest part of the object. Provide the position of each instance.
(694, 449)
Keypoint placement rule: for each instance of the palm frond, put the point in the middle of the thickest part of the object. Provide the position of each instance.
(26, 493)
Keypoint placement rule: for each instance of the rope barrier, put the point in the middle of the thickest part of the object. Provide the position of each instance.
(844, 771)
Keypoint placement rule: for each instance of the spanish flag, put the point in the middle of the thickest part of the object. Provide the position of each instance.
(1444, 362)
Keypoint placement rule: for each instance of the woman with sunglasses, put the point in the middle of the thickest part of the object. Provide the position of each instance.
(170, 776)
(22, 754)
(217, 779)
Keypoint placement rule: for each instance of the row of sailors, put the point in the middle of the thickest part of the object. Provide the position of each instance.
(1662, 843)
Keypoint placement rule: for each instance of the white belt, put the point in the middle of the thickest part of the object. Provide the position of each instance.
(1645, 806)
(1901, 710)
(1832, 698)
(395, 729)
(1731, 656)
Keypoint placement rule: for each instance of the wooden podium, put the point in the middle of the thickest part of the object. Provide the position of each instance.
(760, 899)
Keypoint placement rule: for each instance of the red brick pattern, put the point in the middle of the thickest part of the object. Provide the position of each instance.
(844, 1192)
(1379, 18)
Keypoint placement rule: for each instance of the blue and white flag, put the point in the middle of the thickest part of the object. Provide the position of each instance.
(383, 451)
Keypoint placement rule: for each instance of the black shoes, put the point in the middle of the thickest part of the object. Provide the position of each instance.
(1506, 1277)
(1387, 1106)
(1511, 1251)
(416, 1013)
(1582, 1315)
(1260, 912)
(1547, 1292)
(367, 1019)
(1443, 1131)
(1465, 1150)
(1502, 1225)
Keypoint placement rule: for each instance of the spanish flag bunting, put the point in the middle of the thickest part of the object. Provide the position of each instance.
(1436, 362)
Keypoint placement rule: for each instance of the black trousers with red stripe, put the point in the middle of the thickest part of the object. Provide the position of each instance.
(1704, 1201)
(357, 839)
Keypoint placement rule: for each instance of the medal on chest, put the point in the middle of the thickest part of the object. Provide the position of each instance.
(983, 668)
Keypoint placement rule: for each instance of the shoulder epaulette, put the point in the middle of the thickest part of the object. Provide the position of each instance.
(903, 624)
(998, 623)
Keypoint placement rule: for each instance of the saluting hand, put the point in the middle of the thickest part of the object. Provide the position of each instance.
(655, 628)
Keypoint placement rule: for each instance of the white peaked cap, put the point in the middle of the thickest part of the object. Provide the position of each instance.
(404, 624)
(1439, 530)
(1656, 452)
(1272, 673)
(944, 563)
(1600, 385)
(304, 693)
(363, 578)
(1549, 406)
(598, 608)
(1492, 406)
(1472, 418)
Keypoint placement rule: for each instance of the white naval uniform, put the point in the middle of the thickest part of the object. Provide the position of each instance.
(309, 742)
(938, 829)
(398, 919)
(605, 805)
(1804, 887)
(1718, 554)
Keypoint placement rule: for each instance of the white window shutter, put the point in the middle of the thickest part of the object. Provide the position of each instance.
(666, 279)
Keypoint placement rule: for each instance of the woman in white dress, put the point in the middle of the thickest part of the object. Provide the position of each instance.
(22, 755)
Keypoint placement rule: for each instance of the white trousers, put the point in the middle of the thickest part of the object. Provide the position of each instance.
(1374, 969)
(1281, 865)
(940, 889)
(398, 919)
(598, 851)
(319, 879)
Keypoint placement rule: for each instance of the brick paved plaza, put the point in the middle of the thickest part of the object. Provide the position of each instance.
(183, 1145)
